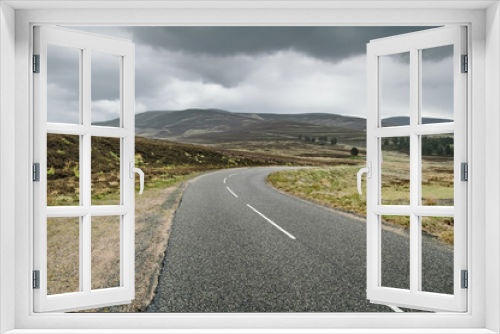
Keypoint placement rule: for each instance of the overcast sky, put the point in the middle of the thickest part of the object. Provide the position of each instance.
(248, 69)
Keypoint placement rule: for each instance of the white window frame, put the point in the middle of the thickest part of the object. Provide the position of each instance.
(123, 50)
(413, 43)
(483, 247)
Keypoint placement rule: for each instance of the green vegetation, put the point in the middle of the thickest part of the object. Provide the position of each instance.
(334, 145)
(164, 164)
(336, 187)
(437, 146)
(332, 186)
(321, 140)
(401, 144)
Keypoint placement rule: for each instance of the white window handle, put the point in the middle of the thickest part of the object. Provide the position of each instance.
(368, 171)
(141, 175)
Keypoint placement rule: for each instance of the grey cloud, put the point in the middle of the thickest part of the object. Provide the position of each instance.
(63, 79)
(105, 76)
(63, 82)
(264, 69)
(437, 87)
(63, 67)
(332, 43)
(437, 54)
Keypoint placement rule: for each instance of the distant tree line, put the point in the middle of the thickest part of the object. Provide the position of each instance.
(320, 140)
(437, 146)
(431, 146)
(401, 144)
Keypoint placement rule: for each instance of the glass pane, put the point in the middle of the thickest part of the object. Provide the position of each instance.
(437, 254)
(437, 170)
(105, 252)
(63, 255)
(63, 84)
(395, 89)
(395, 171)
(395, 248)
(63, 170)
(437, 85)
(105, 89)
(105, 171)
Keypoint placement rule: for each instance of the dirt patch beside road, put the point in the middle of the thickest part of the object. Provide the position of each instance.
(154, 212)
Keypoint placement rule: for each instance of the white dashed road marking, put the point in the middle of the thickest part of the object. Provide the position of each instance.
(396, 309)
(232, 192)
(273, 223)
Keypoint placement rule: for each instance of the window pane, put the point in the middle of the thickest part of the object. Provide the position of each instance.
(437, 254)
(105, 252)
(63, 170)
(105, 89)
(437, 85)
(395, 89)
(105, 171)
(437, 170)
(63, 84)
(395, 237)
(63, 255)
(395, 171)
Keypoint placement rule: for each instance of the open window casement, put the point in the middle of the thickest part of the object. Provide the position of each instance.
(68, 256)
(411, 60)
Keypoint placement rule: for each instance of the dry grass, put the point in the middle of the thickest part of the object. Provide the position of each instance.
(62, 255)
(331, 186)
(166, 165)
(437, 179)
(154, 213)
(336, 187)
(105, 252)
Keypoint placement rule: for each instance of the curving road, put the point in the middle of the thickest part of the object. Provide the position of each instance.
(238, 245)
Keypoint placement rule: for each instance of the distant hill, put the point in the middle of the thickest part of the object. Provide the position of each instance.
(214, 118)
(215, 125)
(404, 120)
(355, 123)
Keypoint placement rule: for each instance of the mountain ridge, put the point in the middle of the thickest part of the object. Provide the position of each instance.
(212, 126)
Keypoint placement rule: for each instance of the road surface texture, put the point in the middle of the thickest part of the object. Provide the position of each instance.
(239, 245)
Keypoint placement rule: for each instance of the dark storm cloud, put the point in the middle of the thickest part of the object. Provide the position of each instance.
(63, 70)
(332, 43)
(63, 84)
(245, 69)
(63, 65)
(437, 54)
(105, 75)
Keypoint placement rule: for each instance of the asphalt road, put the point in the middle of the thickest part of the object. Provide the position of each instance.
(238, 245)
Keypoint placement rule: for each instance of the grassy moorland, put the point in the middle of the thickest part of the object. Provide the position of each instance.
(154, 213)
(167, 167)
(163, 163)
(336, 186)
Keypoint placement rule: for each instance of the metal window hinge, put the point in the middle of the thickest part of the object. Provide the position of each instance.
(465, 64)
(36, 279)
(36, 63)
(464, 173)
(36, 172)
(465, 279)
